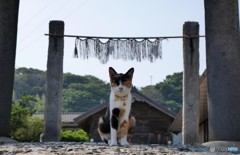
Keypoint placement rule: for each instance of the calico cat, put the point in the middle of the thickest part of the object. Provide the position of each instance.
(115, 125)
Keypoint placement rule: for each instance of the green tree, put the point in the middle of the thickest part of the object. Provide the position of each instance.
(23, 126)
(69, 78)
(75, 100)
(152, 93)
(19, 115)
(173, 105)
(168, 92)
(40, 104)
(30, 132)
(80, 93)
(28, 101)
(83, 95)
(29, 81)
(171, 88)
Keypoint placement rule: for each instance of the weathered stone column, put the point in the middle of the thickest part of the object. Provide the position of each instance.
(190, 83)
(223, 69)
(8, 38)
(54, 82)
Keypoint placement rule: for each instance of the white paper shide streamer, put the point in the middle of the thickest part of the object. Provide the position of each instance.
(127, 49)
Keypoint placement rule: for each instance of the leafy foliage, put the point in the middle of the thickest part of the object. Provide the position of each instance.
(152, 93)
(40, 104)
(80, 93)
(74, 136)
(30, 132)
(19, 116)
(24, 128)
(83, 93)
(29, 81)
(171, 88)
(168, 92)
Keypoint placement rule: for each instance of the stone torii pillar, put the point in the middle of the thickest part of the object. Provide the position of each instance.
(223, 69)
(54, 84)
(190, 114)
(8, 39)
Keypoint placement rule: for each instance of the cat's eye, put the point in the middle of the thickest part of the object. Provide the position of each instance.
(116, 82)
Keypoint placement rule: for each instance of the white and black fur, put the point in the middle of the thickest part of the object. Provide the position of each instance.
(114, 126)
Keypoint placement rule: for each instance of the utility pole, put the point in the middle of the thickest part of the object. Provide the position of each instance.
(151, 77)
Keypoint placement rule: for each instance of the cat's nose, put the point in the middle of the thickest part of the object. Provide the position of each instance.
(120, 88)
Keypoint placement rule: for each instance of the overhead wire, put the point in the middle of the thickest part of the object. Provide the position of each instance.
(76, 9)
(119, 38)
(36, 15)
(29, 44)
(44, 22)
(34, 30)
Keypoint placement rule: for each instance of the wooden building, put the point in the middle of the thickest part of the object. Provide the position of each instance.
(176, 126)
(152, 121)
(67, 119)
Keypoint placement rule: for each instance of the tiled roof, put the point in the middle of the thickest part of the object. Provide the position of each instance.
(67, 117)
(141, 97)
(136, 96)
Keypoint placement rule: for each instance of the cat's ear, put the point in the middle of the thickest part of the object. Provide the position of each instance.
(129, 73)
(112, 72)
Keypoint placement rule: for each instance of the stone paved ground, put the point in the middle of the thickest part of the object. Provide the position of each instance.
(61, 148)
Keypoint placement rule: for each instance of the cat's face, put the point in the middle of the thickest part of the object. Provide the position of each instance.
(121, 83)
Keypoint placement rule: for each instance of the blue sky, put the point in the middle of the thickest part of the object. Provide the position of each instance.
(114, 18)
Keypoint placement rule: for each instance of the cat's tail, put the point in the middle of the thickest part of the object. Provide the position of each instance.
(104, 129)
(131, 124)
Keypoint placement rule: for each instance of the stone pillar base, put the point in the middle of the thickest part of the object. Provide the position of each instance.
(222, 144)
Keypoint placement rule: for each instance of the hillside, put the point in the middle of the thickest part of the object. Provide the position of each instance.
(168, 92)
(81, 93)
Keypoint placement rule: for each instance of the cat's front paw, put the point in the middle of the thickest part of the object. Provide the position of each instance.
(113, 144)
(123, 142)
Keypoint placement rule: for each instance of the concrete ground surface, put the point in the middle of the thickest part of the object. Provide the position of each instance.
(77, 148)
